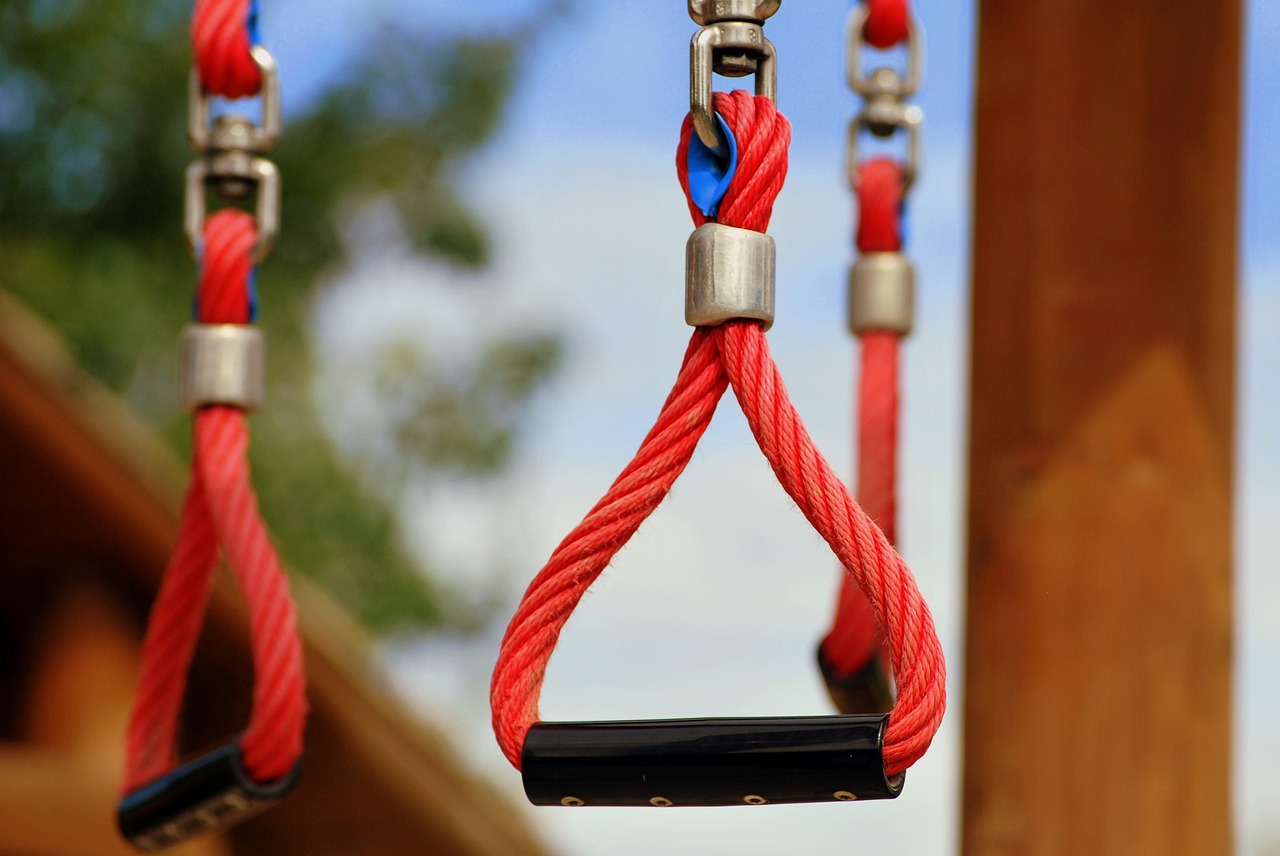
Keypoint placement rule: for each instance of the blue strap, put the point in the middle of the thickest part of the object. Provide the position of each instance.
(252, 24)
(709, 173)
(253, 294)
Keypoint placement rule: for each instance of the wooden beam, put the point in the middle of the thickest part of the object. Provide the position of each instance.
(1098, 672)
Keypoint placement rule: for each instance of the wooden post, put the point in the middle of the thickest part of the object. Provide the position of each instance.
(1098, 677)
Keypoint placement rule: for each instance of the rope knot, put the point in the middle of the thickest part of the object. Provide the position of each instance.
(763, 136)
(734, 353)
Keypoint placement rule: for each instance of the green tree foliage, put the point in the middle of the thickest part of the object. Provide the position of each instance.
(92, 154)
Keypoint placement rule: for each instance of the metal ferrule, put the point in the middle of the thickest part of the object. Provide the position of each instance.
(881, 294)
(222, 364)
(729, 274)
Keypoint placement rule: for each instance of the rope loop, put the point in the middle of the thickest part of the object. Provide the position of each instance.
(222, 34)
(881, 189)
(888, 23)
(856, 639)
(735, 353)
(220, 515)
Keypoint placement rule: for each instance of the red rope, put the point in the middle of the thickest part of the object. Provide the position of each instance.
(888, 23)
(220, 39)
(855, 637)
(734, 354)
(220, 511)
(881, 187)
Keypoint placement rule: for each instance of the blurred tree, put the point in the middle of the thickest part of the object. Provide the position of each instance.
(92, 153)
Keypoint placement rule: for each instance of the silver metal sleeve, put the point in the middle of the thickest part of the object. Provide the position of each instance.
(222, 364)
(729, 273)
(881, 294)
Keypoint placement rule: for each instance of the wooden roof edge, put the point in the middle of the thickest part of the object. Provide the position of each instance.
(38, 348)
(343, 679)
(374, 717)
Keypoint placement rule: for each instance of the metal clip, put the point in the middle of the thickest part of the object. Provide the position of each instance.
(885, 91)
(906, 85)
(731, 43)
(234, 172)
(906, 117)
(236, 133)
(233, 147)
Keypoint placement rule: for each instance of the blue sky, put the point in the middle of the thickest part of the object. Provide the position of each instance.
(590, 230)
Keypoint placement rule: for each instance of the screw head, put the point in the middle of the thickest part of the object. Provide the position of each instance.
(571, 802)
(661, 802)
(754, 799)
(845, 796)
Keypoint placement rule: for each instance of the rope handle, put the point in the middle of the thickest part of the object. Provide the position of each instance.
(852, 655)
(737, 354)
(163, 804)
(220, 513)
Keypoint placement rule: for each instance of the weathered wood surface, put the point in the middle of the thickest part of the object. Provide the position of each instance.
(1098, 676)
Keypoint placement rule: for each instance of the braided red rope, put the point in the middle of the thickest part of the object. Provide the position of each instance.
(855, 637)
(734, 354)
(888, 23)
(220, 37)
(220, 511)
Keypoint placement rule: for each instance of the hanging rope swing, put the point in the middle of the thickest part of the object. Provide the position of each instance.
(852, 656)
(729, 299)
(222, 366)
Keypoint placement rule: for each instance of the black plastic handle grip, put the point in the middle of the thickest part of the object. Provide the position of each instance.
(868, 690)
(702, 762)
(207, 794)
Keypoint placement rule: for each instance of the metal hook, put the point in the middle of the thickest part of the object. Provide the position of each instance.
(258, 172)
(258, 139)
(748, 52)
